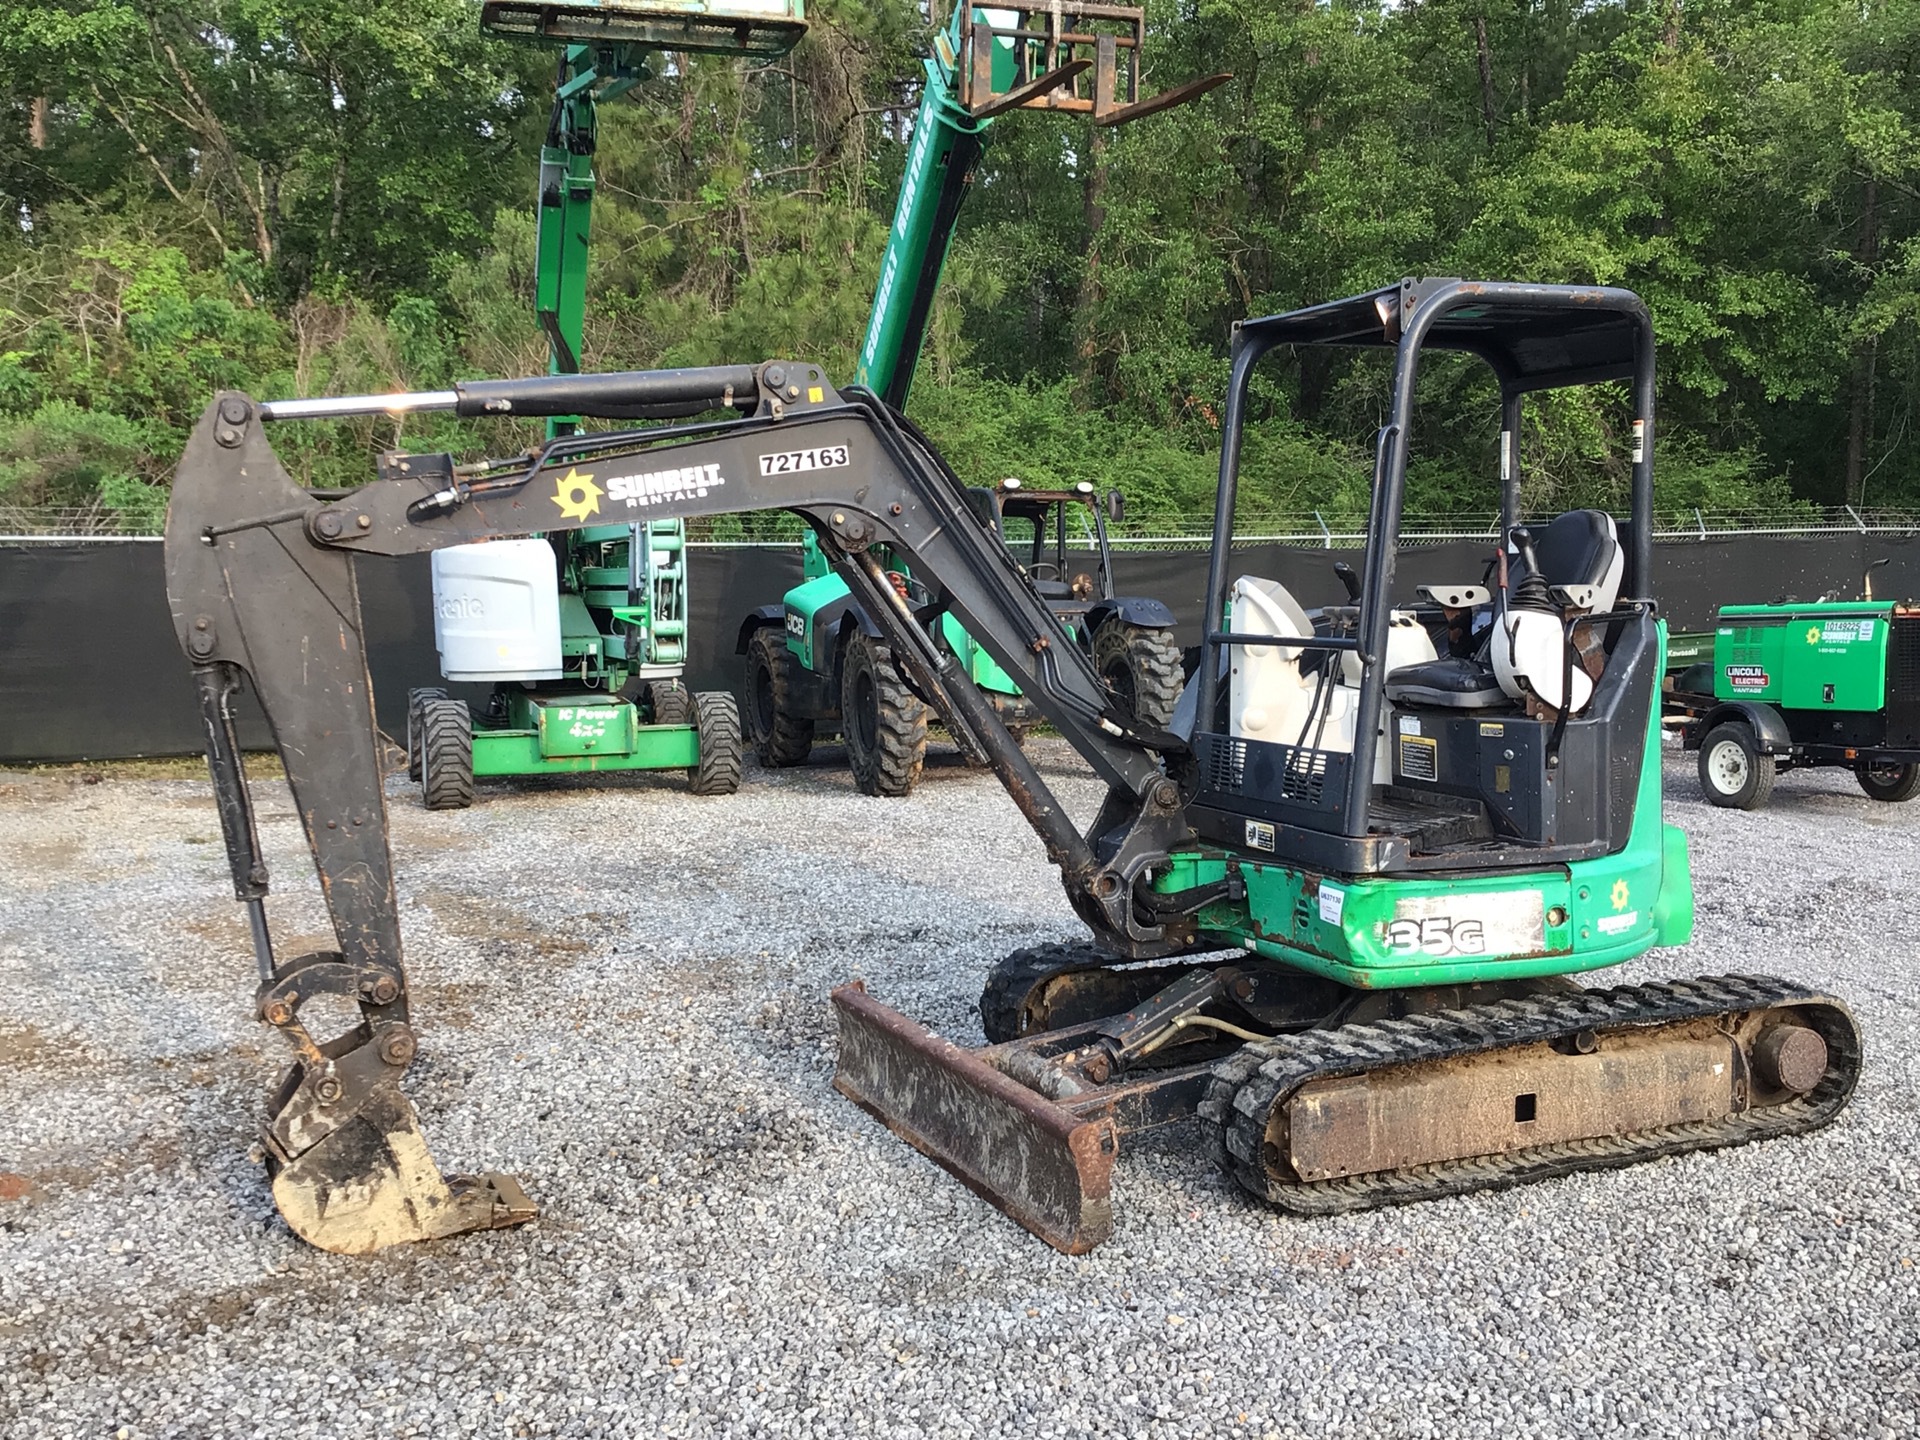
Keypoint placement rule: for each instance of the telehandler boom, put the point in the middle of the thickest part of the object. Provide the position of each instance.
(1410, 822)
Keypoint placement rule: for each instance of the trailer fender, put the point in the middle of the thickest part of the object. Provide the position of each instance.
(1768, 725)
(760, 619)
(1148, 614)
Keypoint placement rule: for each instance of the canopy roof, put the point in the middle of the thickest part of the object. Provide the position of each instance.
(1534, 336)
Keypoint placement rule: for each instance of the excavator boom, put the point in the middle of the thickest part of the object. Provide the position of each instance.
(260, 581)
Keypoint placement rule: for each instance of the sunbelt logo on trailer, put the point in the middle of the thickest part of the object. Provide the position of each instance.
(655, 487)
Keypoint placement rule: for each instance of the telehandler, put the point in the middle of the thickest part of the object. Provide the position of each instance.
(1409, 821)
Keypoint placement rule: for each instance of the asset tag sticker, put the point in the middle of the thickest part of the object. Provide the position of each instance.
(1409, 724)
(798, 462)
(1503, 923)
(1333, 903)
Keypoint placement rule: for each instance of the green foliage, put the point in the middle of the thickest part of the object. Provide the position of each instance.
(325, 198)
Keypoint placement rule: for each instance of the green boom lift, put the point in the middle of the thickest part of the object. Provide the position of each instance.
(609, 694)
(816, 662)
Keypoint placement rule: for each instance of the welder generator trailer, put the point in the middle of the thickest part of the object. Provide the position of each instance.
(1412, 819)
(1792, 687)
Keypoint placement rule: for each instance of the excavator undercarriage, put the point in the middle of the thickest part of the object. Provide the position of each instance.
(1405, 853)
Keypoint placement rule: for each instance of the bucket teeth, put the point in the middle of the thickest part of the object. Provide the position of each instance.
(371, 1182)
(1046, 1168)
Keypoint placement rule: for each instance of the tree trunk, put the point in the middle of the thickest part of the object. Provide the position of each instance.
(37, 123)
(1860, 401)
(1486, 75)
(1086, 303)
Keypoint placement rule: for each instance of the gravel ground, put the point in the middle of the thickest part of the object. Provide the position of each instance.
(622, 997)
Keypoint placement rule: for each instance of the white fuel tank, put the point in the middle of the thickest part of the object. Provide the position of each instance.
(496, 611)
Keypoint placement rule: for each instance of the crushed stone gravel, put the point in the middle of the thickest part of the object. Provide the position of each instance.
(621, 995)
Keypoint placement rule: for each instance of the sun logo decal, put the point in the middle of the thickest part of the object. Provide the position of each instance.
(1813, 635)
(577, 496)
(1621, 895)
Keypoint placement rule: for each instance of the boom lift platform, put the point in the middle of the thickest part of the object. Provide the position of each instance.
(1413, 821)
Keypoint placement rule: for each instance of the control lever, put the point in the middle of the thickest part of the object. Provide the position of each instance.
(1348, 578)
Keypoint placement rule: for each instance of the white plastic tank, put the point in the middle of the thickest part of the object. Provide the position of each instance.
(496, 611)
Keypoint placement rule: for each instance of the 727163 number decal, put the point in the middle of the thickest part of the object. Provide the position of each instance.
(796, 462)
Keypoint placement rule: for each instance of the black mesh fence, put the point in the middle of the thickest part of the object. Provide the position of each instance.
(92, 670)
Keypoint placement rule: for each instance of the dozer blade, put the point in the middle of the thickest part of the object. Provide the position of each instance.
(369, 1181)
(1047, 1169)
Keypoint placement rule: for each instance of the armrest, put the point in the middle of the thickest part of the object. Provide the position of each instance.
(1575, 597)
(1455, 597)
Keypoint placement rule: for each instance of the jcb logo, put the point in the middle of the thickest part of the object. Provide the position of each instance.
(461, 607)
(796, 625)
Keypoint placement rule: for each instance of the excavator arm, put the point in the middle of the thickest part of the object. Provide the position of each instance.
(260, 582)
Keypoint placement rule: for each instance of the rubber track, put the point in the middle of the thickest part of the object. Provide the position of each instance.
(1003, 999)
(1154, 661)
(1248, 1084)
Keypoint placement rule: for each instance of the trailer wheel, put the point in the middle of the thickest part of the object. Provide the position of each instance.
(1142, 668)
(1888, 779)
(1733, 772)
(716, 719)
(779, 736)
(670, 702)
(883, 723)
(446, 754)
(414, 700)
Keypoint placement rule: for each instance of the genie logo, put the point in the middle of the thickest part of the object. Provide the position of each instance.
(461, 607)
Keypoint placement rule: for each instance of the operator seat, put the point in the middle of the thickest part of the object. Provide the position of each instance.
(1579, 548)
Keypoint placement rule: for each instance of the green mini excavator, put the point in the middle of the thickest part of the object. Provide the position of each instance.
(1335, 910)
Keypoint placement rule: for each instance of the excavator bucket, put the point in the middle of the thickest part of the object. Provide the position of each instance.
(1036, 55)
(716, 27)
(1046, 1168)
(370, 1182)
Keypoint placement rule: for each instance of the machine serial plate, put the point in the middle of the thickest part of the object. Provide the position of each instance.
(1506, 922)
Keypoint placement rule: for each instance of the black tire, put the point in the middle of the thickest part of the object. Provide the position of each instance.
(883, 724)
(1142, 668)
(779, 737)
(446, 754)
(716, 719)
(1733, 772)
(1888, 780)
(414, 701)
(670, 702)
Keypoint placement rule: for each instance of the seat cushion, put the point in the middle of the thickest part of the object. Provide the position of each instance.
(1454, 682)
(1581, 547)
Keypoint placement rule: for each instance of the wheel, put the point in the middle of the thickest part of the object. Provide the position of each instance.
(414, 701)
(1888, 779)
(716, 720)
(670, 703)
(1142, 669)
(779, 737)
(883, 723)
(446, 754)
(1733, 772)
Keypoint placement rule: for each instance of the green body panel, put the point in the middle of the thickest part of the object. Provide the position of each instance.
(1688, 648)
(1790, 655)
(588, 731)
(1400, 932)
(982, 667)
(804, 603)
